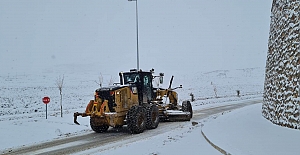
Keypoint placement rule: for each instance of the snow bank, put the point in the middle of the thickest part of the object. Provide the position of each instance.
(245, 132)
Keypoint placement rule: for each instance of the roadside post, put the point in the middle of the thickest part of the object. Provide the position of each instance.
(46, 100)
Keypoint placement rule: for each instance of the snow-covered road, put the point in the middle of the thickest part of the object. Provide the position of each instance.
(166, 137)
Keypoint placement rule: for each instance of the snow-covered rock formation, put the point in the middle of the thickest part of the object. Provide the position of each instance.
(281, 103)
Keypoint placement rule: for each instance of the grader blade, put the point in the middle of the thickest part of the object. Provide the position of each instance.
(176, 115)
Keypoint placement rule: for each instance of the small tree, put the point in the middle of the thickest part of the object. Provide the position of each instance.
(59, 84)
(100, 80)
(215, 89)
(111, 81)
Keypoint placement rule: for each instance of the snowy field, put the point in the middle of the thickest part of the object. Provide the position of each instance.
(22, 94)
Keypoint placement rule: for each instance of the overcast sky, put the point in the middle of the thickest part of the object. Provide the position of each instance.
(173, 35)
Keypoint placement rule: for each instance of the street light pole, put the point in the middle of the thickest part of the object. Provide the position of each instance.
(137, 34)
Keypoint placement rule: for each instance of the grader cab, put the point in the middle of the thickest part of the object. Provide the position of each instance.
(136, 103)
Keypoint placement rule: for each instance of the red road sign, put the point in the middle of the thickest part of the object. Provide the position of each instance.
(46, 99)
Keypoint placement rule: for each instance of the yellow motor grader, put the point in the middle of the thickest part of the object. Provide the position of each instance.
(136, 103)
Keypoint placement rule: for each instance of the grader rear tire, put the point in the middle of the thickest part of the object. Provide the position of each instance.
(152, 116)
(187, 107)
(98, 128)
(136, 119)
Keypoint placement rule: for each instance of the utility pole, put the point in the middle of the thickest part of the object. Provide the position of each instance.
(137, 34)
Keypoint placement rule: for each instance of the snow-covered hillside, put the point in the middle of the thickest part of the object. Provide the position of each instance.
(22, 94)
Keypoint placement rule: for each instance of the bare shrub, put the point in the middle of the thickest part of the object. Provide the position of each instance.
(59, 84)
